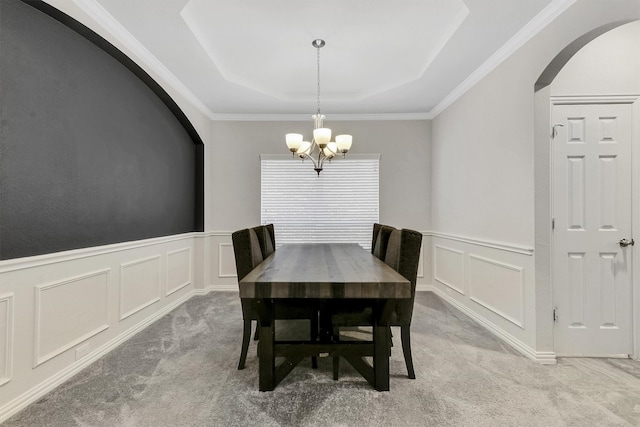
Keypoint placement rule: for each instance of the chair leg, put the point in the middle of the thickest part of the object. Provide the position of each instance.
(256, 335)
(314, 337)
(246, 336)
(406, 349)
(336, 359)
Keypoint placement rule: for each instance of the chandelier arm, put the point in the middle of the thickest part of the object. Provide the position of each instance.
(313, 160)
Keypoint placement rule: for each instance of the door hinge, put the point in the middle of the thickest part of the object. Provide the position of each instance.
(554, 131)
(553, 223)
(555, 315)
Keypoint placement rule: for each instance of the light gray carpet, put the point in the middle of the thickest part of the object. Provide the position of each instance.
(181, 371)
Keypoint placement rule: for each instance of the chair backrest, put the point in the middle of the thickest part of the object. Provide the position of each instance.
(267, 238)
(247, 251)
(403, 255)
(381, 235)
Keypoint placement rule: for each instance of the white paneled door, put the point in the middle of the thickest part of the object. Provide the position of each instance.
(592, 283)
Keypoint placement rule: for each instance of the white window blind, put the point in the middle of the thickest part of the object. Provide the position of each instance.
(340, 205)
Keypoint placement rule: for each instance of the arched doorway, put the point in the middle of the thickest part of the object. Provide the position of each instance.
(569, 273)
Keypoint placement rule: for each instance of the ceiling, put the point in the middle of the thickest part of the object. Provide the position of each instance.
(382, 57)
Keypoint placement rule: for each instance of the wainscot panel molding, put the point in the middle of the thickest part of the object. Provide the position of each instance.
(61, 312)
(448, 267)
(179, 270)
(220, 263)
(139, 285)
(226, 260)
(491, 282)
(498, 287)
(6, 337)
(69, 312)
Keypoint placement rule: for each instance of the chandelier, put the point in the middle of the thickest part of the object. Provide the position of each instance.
(320, 148)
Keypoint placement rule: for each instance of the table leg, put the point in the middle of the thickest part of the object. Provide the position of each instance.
(381, 357)
(267, 360)
(381, 348)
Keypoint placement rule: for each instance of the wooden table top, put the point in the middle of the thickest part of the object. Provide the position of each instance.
(323, 270)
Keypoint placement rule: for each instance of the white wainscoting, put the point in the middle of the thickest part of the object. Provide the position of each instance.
(179, 271)
(69, 312)
(139, 285)
(498, 287)
(448, 267)
(226, 260)
(60, 312)
(6, 337)
(491, 282)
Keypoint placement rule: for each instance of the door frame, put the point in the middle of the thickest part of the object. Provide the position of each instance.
(635, 195)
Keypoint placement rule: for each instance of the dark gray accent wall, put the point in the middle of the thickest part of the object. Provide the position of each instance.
(89, 153)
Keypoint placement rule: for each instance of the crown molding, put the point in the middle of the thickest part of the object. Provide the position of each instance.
(533, 27)
(98, 13)
(330, 117)
(93, 9)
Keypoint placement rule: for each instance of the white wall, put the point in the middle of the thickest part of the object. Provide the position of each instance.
(234, 187)
(483, 185)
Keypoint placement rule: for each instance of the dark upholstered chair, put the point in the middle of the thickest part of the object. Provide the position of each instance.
(251, 246)
(380, 240)
(400, 249)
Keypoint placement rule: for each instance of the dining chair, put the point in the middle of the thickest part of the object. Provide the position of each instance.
(380, 240)
(251, 246)
(402, 253)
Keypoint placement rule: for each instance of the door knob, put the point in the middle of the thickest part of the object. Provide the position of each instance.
(624, 243)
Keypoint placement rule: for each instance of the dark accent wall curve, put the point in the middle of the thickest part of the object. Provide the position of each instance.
(92, 150)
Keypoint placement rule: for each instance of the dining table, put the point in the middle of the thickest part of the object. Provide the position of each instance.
(328, 274)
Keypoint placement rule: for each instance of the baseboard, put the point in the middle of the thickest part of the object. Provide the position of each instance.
(217, 288)
(542, 357)
(32, 395)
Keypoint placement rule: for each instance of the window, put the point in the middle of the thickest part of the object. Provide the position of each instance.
(340, 205)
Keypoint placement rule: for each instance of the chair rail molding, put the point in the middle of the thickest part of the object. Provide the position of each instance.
(509, 247)
(16, 264)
